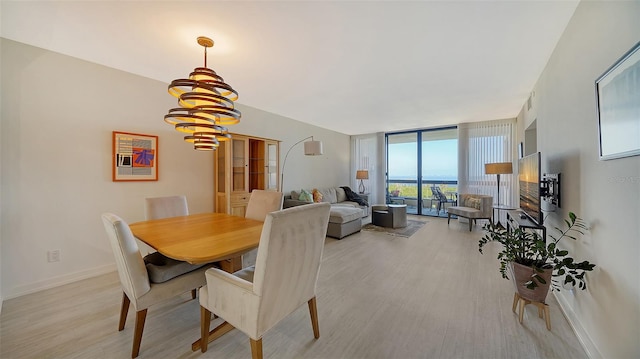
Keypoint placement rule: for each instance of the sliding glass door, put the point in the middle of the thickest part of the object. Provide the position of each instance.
(439, 180)
(422, 170)
(402, 170)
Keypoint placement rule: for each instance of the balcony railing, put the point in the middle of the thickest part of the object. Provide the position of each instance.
(406, 192)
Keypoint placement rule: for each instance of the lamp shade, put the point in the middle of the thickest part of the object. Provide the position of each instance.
(362, 174)
(313, 148)
(498, 168)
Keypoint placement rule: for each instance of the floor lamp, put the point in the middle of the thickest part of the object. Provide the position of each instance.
(498, 168)
(311, 148)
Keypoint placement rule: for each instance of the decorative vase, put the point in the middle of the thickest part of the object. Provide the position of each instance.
(522, 274)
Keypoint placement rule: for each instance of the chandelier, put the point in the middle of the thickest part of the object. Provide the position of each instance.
(206, 106)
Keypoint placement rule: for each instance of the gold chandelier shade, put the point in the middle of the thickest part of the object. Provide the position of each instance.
(206, 106)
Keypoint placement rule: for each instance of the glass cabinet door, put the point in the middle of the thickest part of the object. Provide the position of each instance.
(272, 166)
(256, 164)
(239, 171)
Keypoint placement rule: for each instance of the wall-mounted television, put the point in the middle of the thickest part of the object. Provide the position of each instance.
(529, 180)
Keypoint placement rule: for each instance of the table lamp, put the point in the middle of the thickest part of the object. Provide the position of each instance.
(362, 175)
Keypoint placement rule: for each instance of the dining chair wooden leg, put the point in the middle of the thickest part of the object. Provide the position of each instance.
(313, 311)
(141, 316)
(193, 293)
(124, 309)
(256, 348)
(205, 321)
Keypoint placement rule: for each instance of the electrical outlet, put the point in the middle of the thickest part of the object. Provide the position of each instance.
(53, 255)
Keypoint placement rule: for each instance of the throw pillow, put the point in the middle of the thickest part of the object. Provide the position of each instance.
(473, 202)
(329, 195)
(305, 196)
(295, 195)
(317, 196)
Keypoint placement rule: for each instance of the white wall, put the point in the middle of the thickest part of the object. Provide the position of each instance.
(605, 193)
(329, 170)
(57, 115)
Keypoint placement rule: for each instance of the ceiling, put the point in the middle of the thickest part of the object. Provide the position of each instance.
(350, 66)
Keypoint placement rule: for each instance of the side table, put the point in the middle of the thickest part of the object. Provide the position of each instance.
(390, 215)
(497, 208)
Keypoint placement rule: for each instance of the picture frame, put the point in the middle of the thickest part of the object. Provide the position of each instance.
(134, 157)
(618, 107)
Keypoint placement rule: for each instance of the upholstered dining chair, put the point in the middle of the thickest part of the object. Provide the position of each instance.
(137, 287)
(255, 299)
(164, 207)
(260, 203)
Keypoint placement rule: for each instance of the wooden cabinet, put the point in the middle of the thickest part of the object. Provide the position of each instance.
(242, 164)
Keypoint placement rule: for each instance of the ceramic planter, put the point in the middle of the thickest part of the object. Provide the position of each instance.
(522, 274)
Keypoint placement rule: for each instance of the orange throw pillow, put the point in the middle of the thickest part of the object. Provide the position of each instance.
(317, 196)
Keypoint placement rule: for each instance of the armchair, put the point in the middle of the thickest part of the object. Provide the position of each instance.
(472, 207)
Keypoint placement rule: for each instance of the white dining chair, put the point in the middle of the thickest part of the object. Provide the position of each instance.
(137, 287)
(164, 207)
(255, 299)
(260, 203)
(159, 208)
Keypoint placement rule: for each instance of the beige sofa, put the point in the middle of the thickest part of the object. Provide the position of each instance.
(472, 207)
(335, 196)
(345, 216)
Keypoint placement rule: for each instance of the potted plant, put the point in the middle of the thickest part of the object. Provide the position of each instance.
(535, 264)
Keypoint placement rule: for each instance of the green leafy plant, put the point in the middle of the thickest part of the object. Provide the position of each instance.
(529, 248)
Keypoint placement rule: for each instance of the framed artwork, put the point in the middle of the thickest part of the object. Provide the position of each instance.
(135, 157)
(618, 105)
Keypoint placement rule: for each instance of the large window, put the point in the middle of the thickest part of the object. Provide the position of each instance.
(435, 159)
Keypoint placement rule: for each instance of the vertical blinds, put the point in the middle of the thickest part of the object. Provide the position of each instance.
(487, 142)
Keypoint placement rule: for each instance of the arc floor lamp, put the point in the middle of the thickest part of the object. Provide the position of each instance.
(311, 148)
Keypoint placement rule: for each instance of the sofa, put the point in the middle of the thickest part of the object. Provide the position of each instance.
(345, 216)
(336, 196)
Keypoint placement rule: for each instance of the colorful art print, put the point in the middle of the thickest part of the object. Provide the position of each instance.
(135, 157)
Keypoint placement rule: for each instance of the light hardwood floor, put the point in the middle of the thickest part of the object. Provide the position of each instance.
(429, 296)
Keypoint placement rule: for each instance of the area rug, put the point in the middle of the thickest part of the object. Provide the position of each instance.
(411, 228)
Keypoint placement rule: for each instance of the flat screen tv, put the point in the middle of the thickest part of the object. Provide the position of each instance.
(529, 180)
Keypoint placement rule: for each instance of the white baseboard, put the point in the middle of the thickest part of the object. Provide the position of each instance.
(583, 337)
(60, 280)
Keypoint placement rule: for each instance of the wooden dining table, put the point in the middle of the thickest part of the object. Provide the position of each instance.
(201, 238)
